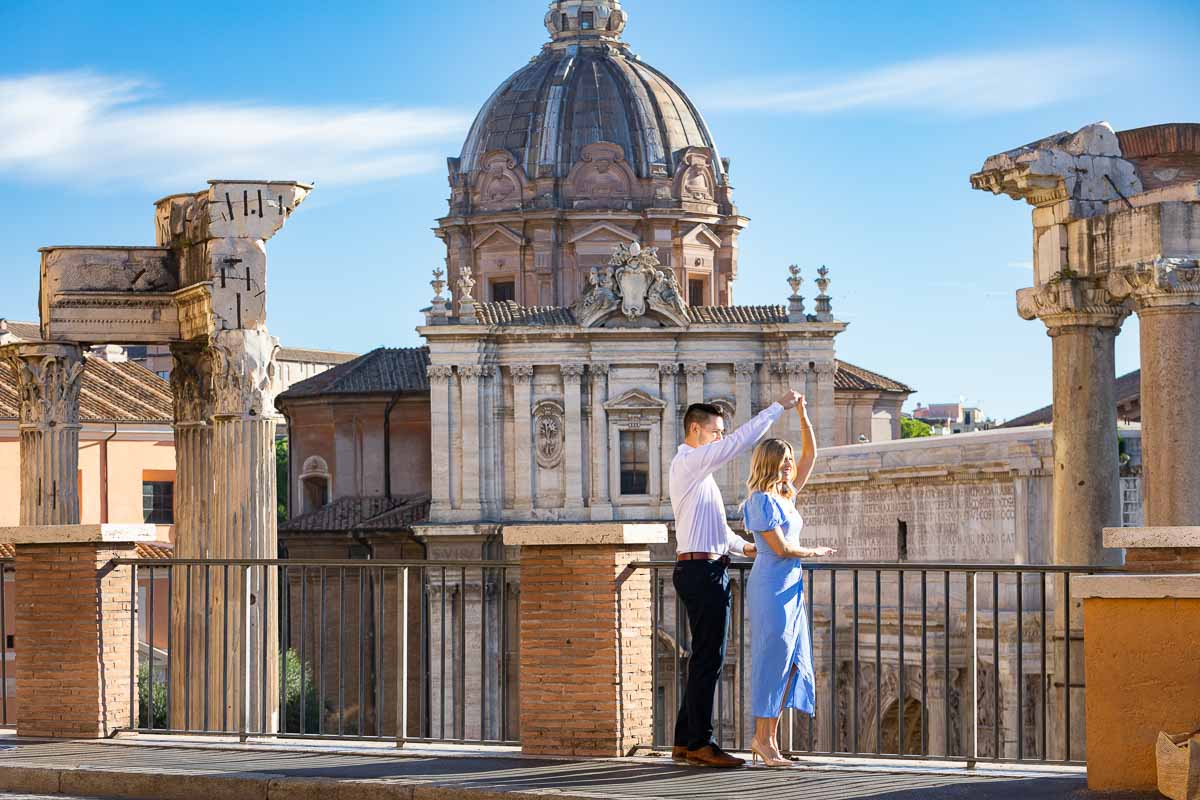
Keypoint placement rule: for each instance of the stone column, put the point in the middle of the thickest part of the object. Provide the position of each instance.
(573, 448)
(672, 436)
(243, 522)
(192, 390)
(469, 380)
(586, 639)
(601, 507)
(694, 370)
(72, 620)
(1082, 324)
(523, 464)
(1166, 296)
(743, 406)
(48, 378)
(489, 428)
(826, 420)
(439, 418)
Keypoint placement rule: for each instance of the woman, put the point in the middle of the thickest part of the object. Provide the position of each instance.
(780, 651)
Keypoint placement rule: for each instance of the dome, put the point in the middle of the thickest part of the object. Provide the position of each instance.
(587, 87)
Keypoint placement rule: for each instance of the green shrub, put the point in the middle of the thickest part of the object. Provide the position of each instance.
(312, 711)
(160, 700)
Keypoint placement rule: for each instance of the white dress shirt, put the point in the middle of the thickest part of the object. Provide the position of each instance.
(695, 497)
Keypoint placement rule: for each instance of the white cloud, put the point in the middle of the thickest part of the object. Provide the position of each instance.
(983, 83)
(81, 126)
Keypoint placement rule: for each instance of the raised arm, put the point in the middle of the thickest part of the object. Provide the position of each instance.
(808, 446)
(711, 457)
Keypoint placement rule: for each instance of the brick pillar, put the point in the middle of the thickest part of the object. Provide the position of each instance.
(586, 638)
(74, 629)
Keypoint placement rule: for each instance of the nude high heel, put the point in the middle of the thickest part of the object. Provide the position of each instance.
(770, 763)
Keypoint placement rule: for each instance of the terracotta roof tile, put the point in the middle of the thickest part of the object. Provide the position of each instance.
(853, 378)
(737, 315)
(110, 392)
(509, 313)
(360, 514)
(382, 371)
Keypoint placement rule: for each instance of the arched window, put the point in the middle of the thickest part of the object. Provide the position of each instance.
(314, 483)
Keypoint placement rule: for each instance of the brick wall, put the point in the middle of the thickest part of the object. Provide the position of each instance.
(73, 630)
(1162, 559)
(586, 648)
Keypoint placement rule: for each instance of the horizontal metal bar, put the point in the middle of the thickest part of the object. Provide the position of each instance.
(321, 737)
(914, 566)
(304, 562)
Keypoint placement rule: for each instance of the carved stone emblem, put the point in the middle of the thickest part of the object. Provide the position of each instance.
(548, 429)
(635, 283)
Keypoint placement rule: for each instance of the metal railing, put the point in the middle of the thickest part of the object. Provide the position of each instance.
(404, 651)
(974, 662)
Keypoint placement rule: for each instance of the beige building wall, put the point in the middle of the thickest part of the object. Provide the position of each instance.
(136, 453)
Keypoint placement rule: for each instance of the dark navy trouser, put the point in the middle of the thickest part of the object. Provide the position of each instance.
(703, 588)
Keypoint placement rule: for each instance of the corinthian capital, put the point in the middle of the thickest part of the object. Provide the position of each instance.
(825, 367)
(745, 369)
(439, 373)
(521, 373)
(48, 378)
(668, 369)
(694, 368)
(572, 372)
(1161, 283)
(1071, 301)
(192, 383)
(244, 373)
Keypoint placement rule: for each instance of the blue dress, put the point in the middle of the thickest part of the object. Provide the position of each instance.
(778, 615)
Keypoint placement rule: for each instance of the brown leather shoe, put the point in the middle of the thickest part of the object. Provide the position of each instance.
(679, 754)
(711, 756)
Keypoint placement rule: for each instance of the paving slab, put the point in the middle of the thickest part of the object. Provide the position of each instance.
(123, 769)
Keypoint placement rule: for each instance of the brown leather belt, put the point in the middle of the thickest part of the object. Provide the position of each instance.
(700, 557)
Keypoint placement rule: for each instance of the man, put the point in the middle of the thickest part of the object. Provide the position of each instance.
(703, 542)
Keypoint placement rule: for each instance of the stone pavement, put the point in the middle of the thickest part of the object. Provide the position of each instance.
(124, 769)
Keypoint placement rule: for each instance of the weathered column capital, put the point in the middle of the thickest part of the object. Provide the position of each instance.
(440, 373)
(244, 373)
(668, 369)
(192, 388)
(1161, 284)
(1073, 302)
(572, 371)
(796, 369)
(745, 369)
(598, 370)
(48, 377)
(693, 368)
(825, 367)
(473, 372)
(521, 373)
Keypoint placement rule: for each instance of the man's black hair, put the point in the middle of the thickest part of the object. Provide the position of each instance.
(699, 413)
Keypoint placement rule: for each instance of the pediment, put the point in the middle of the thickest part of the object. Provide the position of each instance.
(592, 230)
(703, 234)
(498, 230)
(635, 400)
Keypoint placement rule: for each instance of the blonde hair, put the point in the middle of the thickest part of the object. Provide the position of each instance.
(764, 469)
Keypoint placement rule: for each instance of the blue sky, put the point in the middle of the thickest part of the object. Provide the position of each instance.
(852, 129)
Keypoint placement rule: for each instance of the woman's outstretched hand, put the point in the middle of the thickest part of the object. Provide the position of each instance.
(821, 552)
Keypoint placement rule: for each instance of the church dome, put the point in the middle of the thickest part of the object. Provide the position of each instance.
(586, 87)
